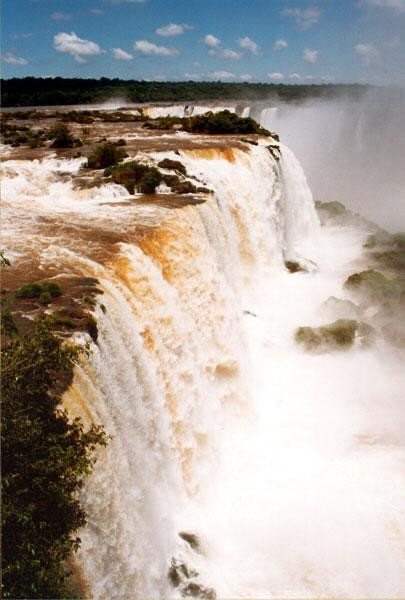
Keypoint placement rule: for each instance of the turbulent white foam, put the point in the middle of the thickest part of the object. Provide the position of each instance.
(286, 465)
(183, 110)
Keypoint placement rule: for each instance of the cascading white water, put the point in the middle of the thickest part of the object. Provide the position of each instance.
(220, 425)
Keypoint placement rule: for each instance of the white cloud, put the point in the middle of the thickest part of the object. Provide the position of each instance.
(247, 44)
(120, 54)
(148, 49)
(303, 17)
(221, 75)
(22, 36)
(212, 41)
(397, 5)
(193, 76)
(367, 52)
(60, 16)
(97, 11)
(296, 76)
(245, 77)
(280, 44)
(172, 29)
(328, 78)
(275, 76)
(70, 43)
(310, 56)
(227, 53)
(12, 59)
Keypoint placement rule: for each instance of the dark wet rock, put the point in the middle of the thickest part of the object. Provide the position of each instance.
(339, 335)
(294, 267)
(249, 141)
(191, 539)
(185, 187)
(275, 151)
(248, 312)
(173, 165)
(174, 574)
(87, 281)
(195, 590)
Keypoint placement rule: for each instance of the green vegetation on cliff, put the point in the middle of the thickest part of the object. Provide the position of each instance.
(45, 458)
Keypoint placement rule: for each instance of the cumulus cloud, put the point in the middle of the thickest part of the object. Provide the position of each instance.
(245, 77)
(310, 56)
(247, 44)
(275, 76)
(212, 41)
(280, 44)
(149, 49)
(368, 53)
(232, 54)
(70, 43)
(397, 5)
(295, 76)
(12, 59)
(221, 75)
(304, 17)
(120, 54)
(172, 29)
(60, 16)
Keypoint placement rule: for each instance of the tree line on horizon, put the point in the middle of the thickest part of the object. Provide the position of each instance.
(40, 91)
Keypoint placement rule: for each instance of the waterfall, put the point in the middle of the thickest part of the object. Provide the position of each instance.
(211, 408)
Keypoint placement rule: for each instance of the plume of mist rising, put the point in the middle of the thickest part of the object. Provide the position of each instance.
(352, 150)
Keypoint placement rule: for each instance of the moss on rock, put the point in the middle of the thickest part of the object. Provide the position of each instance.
(339, 335)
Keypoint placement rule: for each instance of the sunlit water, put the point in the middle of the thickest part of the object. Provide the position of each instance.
(287, 465)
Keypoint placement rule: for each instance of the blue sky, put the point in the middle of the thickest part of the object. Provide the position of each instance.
(229, 40)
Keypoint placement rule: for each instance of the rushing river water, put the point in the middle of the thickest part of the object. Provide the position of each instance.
(285, 465)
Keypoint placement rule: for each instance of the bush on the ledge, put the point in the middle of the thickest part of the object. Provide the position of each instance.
(105, 155)
(45, 457)
(224, 122)
(61, 136)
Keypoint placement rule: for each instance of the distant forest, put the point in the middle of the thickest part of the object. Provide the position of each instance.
(37, 91)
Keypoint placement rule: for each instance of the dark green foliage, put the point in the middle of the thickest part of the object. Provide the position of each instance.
(335, 336)
(37, 289)
(16, 135)
(135, 175)
(61, 136)
(163, 123)
(8, 326)
(150, 181)
(105, 155)
(224, 122)
(174, 165)
(388, 250)
(376, 286)
(36, 91)
(45, 458)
